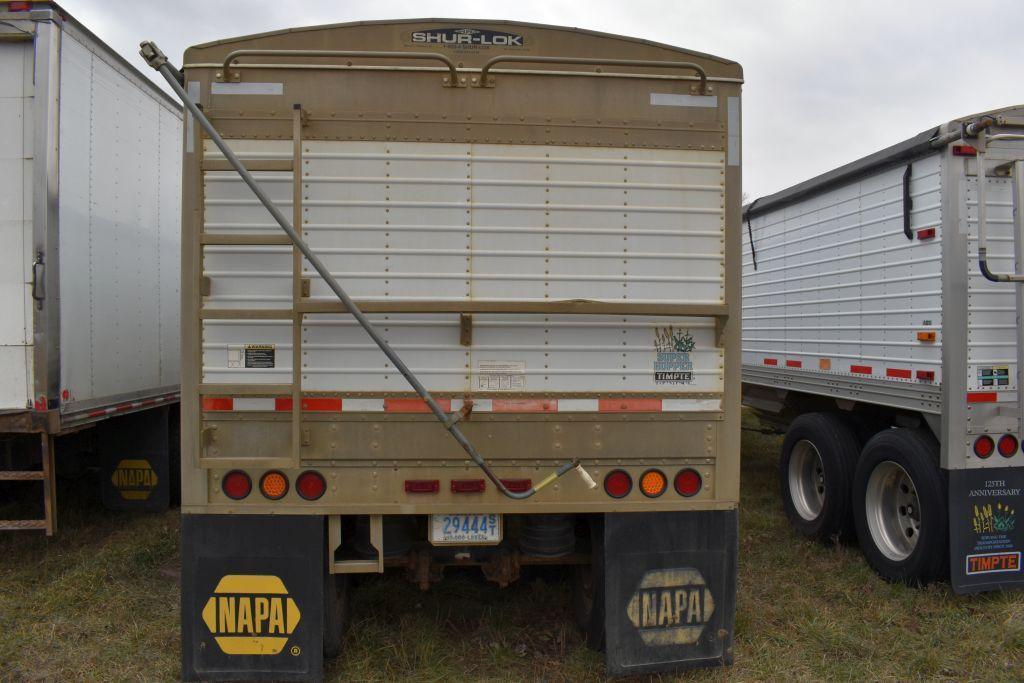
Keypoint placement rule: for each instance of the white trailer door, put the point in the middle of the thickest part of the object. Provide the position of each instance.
(16, 65)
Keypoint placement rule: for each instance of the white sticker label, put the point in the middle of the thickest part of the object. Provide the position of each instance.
(247, 88)
(501, 375)
(666, 99)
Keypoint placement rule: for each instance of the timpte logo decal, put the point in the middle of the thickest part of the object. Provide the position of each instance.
(467, 37)
(671, 606)
(251, 615)
(134, 479)
(673, 364)
(993, 563)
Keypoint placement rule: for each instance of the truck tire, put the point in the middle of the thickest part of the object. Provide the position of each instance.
(588, 589)
(816, 467)
(900, 511)
(336, 611)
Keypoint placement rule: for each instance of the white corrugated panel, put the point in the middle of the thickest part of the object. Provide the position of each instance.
(16, 98)
(991, 307)
(839, 288)
(119, 213)
(436, 221)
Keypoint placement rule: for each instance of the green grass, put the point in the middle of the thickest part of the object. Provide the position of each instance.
(100, 602)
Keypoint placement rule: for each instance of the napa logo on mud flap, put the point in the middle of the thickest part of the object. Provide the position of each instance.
(671, 606)
(673, 364)
(251, 615)
(134, 479)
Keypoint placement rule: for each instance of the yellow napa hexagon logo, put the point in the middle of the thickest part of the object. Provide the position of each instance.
(671, 606)
(251, 614)
(134, 479)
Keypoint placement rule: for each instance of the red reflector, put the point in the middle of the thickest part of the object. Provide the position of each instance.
(468, 485)
(964, 151)
(618, 483)
(422, 485)
(794, 363)
(310, 485)
(982, 397)
(983, 446)
(898, 373)
(688, 483)
(926, 234)
(210, 403)
(771, 361)
(517, 485)
(414, 405)
(861, 369)
(236, 485)
(1007, 445)
(629, 405)
(926, 375)
(19, 6)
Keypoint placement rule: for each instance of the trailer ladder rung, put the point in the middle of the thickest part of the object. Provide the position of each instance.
(247, 240)
(46, 475)
(252, 165)
(31, 475)
(23, 525)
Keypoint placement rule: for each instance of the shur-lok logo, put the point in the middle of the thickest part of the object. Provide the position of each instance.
(671, 606)
(134, 479)
(467, 36)
(251, 615)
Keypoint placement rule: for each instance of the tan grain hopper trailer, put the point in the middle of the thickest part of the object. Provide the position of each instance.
(495, 323)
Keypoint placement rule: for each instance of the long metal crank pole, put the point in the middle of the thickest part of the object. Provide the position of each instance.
(156, 59)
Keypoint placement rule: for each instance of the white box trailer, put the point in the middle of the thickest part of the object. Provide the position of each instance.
(89, 240)
(874, 325)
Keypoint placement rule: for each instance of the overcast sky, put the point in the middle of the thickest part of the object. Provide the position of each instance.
(826, 81)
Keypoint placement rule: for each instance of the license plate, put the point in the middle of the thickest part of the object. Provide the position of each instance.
(465, 529)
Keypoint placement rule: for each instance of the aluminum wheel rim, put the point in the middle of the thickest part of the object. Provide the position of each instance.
(806, 480)
(893, 510)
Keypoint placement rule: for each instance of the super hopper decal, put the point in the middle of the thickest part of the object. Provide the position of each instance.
(673, 364)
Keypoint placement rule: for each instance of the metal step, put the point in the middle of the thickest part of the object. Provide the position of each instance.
(25, 525)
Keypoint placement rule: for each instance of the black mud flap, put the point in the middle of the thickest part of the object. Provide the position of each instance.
(986, 529)
(134, 458)
(252, 597)
(670, 590)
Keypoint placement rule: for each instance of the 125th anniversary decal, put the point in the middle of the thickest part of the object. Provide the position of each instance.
(993, 523)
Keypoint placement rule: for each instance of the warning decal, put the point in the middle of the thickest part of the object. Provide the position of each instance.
(501, 375)
(259, 356)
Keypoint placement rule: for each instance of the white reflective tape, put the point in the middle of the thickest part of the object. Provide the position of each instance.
(244, 404)
(483, 405)
(678, 405)
(247, 88)
(577, 405)
(733, 140)
(665, 99)
(192, 88)
(362, 405)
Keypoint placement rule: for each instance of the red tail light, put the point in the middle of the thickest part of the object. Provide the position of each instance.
(618, 484)
(688, 483)
(19, 6)
(422, 485)
(964, 151)
(517, 485)
(1007, 445)
(983, 446)
(236, 485)
(468, 485)
(311, 485)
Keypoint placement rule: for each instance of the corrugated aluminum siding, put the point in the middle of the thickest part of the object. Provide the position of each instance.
(839, 288)
(435, 221)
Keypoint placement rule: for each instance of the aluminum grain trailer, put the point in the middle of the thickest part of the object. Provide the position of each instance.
(881, 309)
(543, 224)
(89, 216)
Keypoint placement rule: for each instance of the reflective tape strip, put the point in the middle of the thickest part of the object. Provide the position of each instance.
(682, 405)
(899, 373)
(363, 405)
(528, 405)
(251, 404)
(982, 397)
(861, 369)
(414, 405)
(629, 405)
(133, 405)
(336, 404)
(577, 405)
